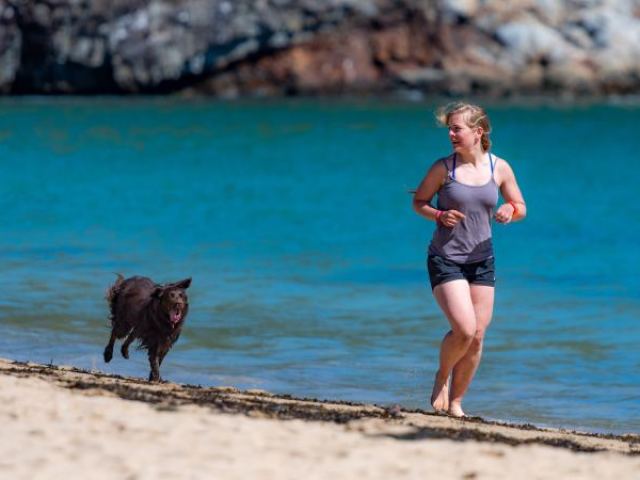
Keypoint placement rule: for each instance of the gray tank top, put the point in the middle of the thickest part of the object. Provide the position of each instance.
(470, 240)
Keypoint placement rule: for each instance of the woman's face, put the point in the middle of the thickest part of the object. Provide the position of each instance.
(463, 138)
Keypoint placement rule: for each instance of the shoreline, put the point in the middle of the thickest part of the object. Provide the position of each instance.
(261, 403)
(60, 413)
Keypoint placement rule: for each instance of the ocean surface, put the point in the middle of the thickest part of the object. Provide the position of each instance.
(294, 220)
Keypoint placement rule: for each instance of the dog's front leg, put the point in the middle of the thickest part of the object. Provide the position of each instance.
(124, 349)
(154, 363)
(162, 351)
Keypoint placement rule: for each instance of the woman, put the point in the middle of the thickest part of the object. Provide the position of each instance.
(460, 258)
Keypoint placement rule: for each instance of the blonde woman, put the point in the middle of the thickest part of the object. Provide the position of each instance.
(460, 258)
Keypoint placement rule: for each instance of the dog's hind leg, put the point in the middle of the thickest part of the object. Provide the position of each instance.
(108, 350)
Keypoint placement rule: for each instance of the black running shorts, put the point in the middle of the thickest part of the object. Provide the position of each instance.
(442, 270)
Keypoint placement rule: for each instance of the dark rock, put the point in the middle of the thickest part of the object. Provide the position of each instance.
(10, 46)
(283, 47)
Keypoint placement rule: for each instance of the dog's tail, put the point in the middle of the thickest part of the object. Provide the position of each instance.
(112, 294)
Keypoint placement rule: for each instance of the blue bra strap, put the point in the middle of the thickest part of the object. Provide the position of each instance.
(491, 162)
(453, 170)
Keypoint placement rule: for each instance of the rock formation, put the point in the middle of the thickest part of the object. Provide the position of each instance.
(280, 47)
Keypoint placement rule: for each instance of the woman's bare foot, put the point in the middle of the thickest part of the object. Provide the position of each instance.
(440, 394)
(455, 410)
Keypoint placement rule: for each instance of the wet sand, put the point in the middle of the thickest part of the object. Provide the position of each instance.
(61, 422)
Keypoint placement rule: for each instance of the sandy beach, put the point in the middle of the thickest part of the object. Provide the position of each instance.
(61, 422)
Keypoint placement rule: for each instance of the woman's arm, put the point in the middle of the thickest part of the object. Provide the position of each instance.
(429, 186)
(514, 208)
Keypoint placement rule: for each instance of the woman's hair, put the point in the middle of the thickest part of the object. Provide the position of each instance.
(474, 115)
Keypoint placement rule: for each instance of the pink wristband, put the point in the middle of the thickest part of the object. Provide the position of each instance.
(438, 215)
(515, 208)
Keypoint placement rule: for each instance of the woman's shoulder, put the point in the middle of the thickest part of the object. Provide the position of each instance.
(438, 170)
(501, 167)
(499, 162)
(443, 162)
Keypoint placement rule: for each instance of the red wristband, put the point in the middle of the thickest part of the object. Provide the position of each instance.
(438, 215)
(515, 208)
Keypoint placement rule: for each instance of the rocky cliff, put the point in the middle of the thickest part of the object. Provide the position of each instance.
(273, 47)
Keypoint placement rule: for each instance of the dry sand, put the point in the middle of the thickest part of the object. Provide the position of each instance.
(64, 423)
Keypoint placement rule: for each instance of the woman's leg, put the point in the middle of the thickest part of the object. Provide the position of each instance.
(482, 298)
(454, 298)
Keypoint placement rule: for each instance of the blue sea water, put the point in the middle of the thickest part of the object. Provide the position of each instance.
(293, 219)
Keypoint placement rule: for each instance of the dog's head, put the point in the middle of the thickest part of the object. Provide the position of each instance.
(173, 300)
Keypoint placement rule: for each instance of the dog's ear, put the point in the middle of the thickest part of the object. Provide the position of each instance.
(184, 284)
(157, 292)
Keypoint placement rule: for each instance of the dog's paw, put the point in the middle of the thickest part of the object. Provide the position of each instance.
(125, 352)
(108, 354)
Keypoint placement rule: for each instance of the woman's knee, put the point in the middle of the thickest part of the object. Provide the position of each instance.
(465, 334)
(475, 345)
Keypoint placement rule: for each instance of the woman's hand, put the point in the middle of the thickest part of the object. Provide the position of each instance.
(504, 214)
(449, 218)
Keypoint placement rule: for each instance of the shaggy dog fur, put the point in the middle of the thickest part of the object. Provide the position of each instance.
(151, 313)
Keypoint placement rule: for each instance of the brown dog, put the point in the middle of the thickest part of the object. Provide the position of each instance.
(153, 314)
